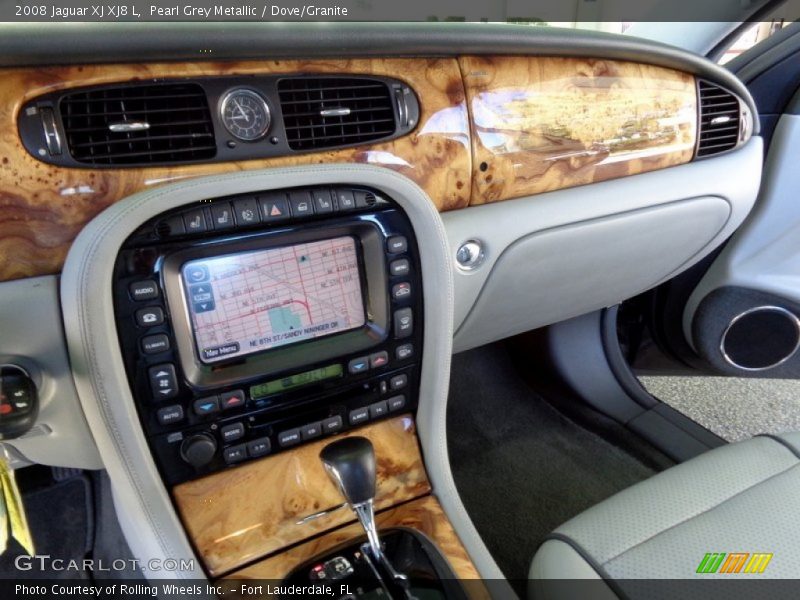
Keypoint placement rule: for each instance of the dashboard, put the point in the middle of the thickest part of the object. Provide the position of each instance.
(254, 254)
(482, 135)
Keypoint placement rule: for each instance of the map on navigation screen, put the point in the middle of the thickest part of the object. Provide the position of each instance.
(253, 301)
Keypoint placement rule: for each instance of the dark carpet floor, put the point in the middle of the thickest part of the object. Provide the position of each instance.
(521, 467)
(71, 517)
(60, 520)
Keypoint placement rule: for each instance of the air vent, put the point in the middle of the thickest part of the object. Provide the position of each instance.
(720, 120)
(323, 112)
(139, 124)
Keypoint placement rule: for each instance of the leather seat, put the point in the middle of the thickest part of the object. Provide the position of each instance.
(740, 498)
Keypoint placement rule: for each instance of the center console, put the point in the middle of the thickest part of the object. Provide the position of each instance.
(226, 330)
(254, 323)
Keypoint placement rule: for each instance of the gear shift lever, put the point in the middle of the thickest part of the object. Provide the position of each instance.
(350, 463)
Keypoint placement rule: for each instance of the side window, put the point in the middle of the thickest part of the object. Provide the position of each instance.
(752, 35)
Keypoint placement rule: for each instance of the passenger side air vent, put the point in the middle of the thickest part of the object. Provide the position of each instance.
(323, 112)
(139, 124)
(720, 120)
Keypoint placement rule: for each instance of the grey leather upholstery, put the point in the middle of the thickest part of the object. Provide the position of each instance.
(742, 497)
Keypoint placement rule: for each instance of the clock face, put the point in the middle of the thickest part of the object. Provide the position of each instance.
(245, 114)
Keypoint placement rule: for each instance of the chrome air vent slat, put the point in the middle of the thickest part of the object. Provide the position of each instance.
(325, 112)
(139, 124)
(720, 120)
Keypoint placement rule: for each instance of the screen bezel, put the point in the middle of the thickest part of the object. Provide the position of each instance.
(372, 268)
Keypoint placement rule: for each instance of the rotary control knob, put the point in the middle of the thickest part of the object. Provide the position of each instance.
(198, 450)
(19, 403)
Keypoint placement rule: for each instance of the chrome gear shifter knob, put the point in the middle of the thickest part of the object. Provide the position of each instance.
(350, 463)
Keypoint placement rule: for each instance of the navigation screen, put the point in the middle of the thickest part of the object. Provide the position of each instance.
(253, 301)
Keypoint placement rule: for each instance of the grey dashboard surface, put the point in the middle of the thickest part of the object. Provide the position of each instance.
(554, 256)
(33, 338)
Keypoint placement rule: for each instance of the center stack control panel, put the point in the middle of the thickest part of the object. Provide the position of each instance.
(253, 323)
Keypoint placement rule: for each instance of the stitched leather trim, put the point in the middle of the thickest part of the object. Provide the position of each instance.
(782, 442)
(590, 561)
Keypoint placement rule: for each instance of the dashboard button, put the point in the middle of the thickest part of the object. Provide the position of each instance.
(175, 437)
(301, 204)
(403, 352)
(246, 212)
(172, 226)
(274, 207)
(259, 447)
(377, 410)
(396, 403)
(289, 438)
(401, 291)
(206, 406)
(195, 221)
(144, 290)
(196, 273)
(400, 267)
(397, 244)
(365, 199)
(323, 203)
(332, 424)
(230, 400)
(403, 323)
(170, 414)
(235, 454)
(221, 215)
(202, 292)
(153, 344)
(359, 415)
(148, 317)
(398, 382)
(358, 365)
(345, 199)
(232, 432)
(311, 431)
(378, 359)
(163, 382)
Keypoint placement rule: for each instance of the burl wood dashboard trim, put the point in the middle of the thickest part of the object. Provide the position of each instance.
(239, 515)
(425, 515)
(43, 207)
(491, 129)
(540, 124)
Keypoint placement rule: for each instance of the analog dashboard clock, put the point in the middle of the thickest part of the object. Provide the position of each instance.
(245, 114)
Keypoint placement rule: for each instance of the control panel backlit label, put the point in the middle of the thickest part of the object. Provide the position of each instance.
(253, 301)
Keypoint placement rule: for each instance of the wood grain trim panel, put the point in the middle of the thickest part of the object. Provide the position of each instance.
(425, 515)
(239, 515)
(541, 124)
(44, 207)
(535, 124)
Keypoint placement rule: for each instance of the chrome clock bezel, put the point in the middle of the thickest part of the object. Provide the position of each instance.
(223, 105)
